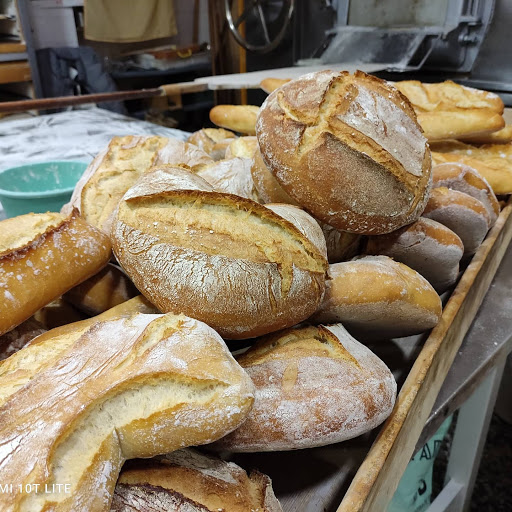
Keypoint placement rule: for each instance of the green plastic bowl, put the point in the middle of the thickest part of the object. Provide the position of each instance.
(38, 188)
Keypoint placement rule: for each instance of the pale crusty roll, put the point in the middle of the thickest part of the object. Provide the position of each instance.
(348, 149)
(226, 260)
(232, 176)
(243, 147)
(239, 118)
(73, 412)
(463, 214)
(208, 138)
(314, 386)
(120, 165)
(42, 256)
(189, 480)
(492, 161)
(426, 246)
(457, 176)
(106, 289)
(377, 297)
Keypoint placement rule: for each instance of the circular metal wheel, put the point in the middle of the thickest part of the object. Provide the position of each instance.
(266, 20)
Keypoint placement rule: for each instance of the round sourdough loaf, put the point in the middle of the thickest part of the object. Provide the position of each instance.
(220, 258)
(376, 297)
(348, 149)
(462, 213)
(314, 386)
(426, 246)
(457, 176)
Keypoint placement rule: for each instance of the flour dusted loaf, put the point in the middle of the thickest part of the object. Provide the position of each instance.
(376, 297)
(314, 386)
(462, 213)
(348, 149)
(243, 147)
(42, 256)
(457, 176)
(213, 141)
(120, 165)
(426, 246)
(189, 480)
(72, 412)
(239, 118)
(220, 258)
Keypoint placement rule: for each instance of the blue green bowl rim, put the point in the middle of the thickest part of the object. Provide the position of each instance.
(45, 193)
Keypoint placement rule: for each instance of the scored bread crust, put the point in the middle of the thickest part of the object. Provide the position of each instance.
(131, 387)
(376, 297)
(348, 149)
(189, 478)
(426, 246)
(42, 256)
(314, 386)
(223, 259)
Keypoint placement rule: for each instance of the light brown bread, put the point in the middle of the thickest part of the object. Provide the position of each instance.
(42, 256)
(187, 479)
(426, 246)
(73, 411)
(314, 386)
(457, 176)
(492, 161)
(503, 136)
(243, 147)
(106, 289)
(376, 297)
(207, 138)
(348, 149)
(226, 260)
(271, 84)
(341, 246)
(463, 214)
(239, 118)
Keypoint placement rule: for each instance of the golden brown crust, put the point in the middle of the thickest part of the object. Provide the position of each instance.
(47, 264)
(271, 84)
(77, 409)
(239, 118)
(206, 138)
(243, 147)
(314, 386)
(352, 173)
(378, 297)
(503, 136)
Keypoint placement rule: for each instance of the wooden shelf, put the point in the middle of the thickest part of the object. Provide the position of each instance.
(18, 71)
(12, 47)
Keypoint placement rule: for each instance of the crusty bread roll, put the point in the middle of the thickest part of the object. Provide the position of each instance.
(42, 256)
(271, 84)
(426, 246)
(207, 138)
(17, 338)
(226, 260)
(463, 214)
(314, 386)
(232, 176)
(72, 412)
(348, 149)
(120, 165)
(492, 161)
(239, 118)
(503, 136)
(106, 289)
(189, 480)
(463, 178)
(243, 147)
(376, 297)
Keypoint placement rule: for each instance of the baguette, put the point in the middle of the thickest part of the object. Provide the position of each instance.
(503, 136)
(239, 118)
(42, 256)
(72, 412)
(271, 84)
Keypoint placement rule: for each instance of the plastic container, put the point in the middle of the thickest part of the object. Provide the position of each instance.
(41, 187)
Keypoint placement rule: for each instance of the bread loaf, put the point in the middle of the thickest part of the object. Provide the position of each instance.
(376, 297)
(57, 313)
(243, 147)
(503, 136)
(457, 176)
(106, 289)
(187, 479)
(17, 338)
(224, 259)
(207, 139)
(492, 161)
(239, 118)
(73, 412)
(42, 256)
(314, 386)
(426, 246)
(348, 149)
(463, 214)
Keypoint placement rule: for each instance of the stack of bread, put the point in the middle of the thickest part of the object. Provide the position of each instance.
(328, 227)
